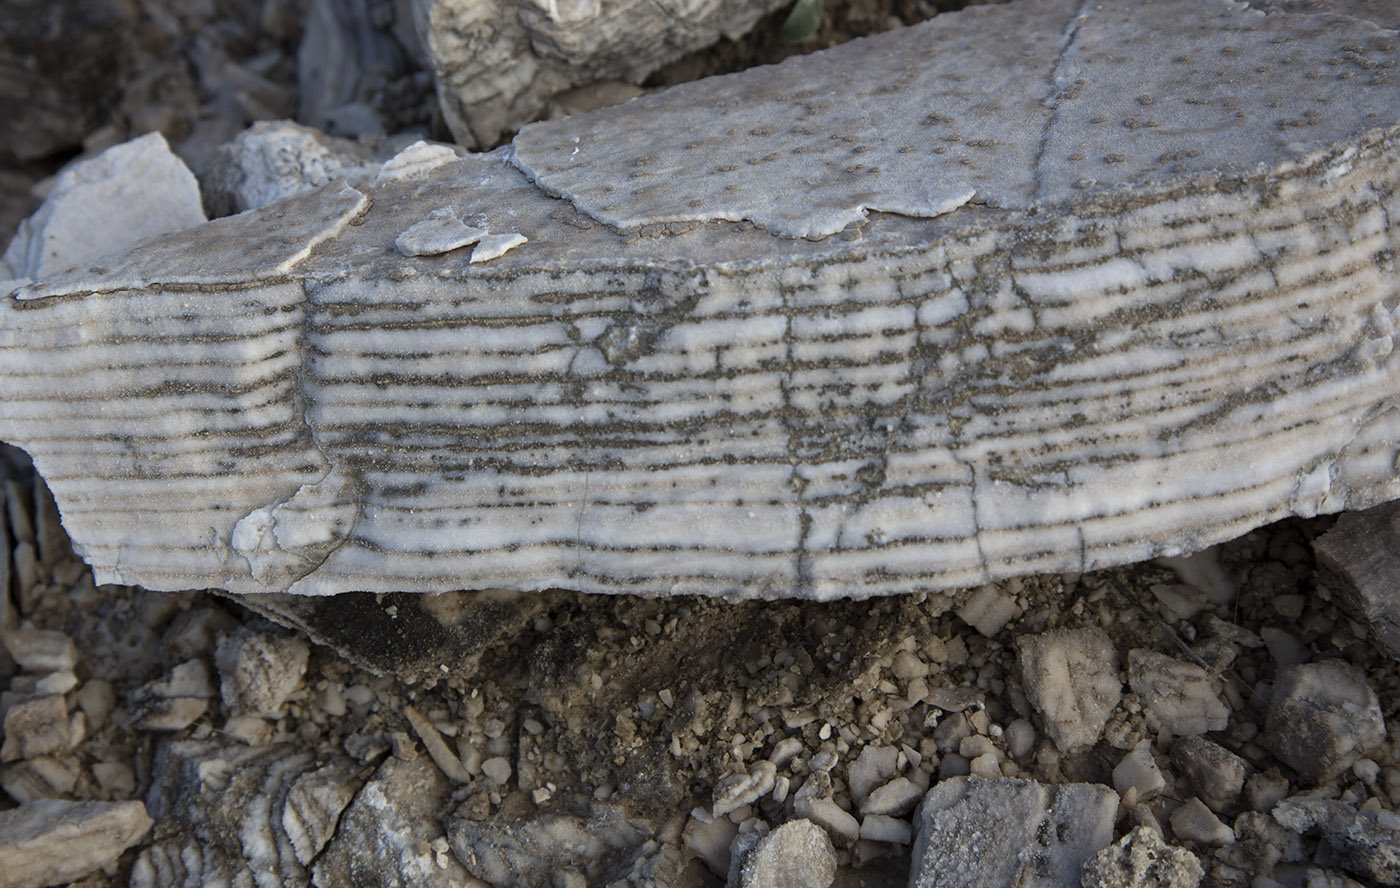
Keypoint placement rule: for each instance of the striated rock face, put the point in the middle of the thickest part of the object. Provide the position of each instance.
(1050, 324)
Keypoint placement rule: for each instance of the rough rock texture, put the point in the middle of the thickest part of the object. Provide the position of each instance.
(499, 62)
(50, 841)
(1003, 833)
(711, 409)
(797, 854)
(1366, 844)
(1362, 557)
(1071, 679)
(1323, 717)
(1142, 860)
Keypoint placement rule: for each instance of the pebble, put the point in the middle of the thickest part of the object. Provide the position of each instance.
(1192, 821)
(988, 609)
(874, 766)
(1138, 771)
(1216, 773)
(51, 841)
(897, 797)
(259, 670)
(797, 854)
(737, 790)
(1071, 679)
(497, 769)
(34, 727)
(1141, 859)
(40, 650)
(1322, 718)
(1177, 696)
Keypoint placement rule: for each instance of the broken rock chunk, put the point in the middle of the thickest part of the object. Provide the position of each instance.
(1360, 557)
(1364, 843)
(797, 854)
(1216, 773)
(50, 841)
(1322, 718)
(975, 833)
(128, 193)
(1177, 696)
(1141, 859)
(259, 669)
(1071, 678)
(34, 727)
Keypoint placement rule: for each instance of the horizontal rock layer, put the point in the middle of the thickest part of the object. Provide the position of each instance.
(282, 401)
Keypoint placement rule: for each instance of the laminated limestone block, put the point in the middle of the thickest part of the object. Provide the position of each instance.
(927, 310)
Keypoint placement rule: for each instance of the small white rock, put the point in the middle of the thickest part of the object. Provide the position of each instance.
(898, 796)
(1138, 770)
(1194, 822)
(493, 246)
(497, 769)
(886, 829)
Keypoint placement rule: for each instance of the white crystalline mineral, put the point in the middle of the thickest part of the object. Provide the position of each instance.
(929, 310)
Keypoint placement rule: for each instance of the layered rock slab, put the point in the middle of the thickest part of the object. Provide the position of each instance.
(1023, 330)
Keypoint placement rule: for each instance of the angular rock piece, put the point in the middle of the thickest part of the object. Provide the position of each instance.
(1071, 678)
(1177, 696)
(1361, 558)
(1323, 717)
(52, 842)
(105, 204)
(1000, 833)
(1365, 843)
(1142, 860)
(1143, 324)
(797, 854)
(498, 63)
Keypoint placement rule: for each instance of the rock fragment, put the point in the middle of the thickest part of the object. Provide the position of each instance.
(272, 160)
(797, 854)
(494, 246)
(1141, 859)
(392, 827)
(1071, 678)
(1194, 822)
(1177, 696)
(489, 88)
(1364, 843)
(50, 841)
(1360, 556)
(39, 650)
(1216, 773)
(126, 194)
(738, 790)
(1138, 771)
(815, 802)
(34, 727)
(174, 702)
(259, 669)
(975, 833)
(528, 850)
(440, 233)
(1322, 718)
